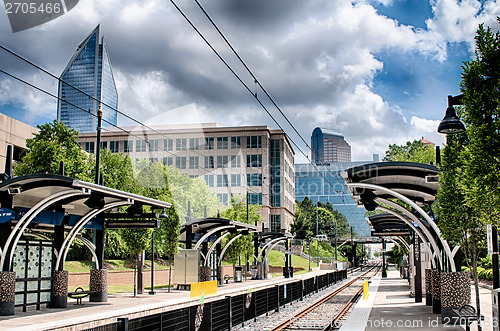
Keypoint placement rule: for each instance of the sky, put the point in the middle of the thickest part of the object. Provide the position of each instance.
(377, 71)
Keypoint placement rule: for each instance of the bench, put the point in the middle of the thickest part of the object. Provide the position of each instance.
(227, 278)
(468, 314)
(79, 294)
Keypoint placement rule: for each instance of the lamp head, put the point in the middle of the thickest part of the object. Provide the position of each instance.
(451, 123)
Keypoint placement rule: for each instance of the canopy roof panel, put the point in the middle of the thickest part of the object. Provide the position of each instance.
(416, 181)
(388, 225)
(204, 225)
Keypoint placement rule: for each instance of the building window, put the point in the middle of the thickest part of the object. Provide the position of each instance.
(180, 144)
(275, 173)
(254, 179)
(222, 181)
(168, 144)
(254, 142)
(255, 198)
(193, 162)
(223, 198)
(222, 142)
(235, 142)
(209, 179)
(209, 162)
(89, 146)
(180, 162)
(140, 145)
(153, 159)
(254, 160)
(236, 180)
(128, 146)
(167, 161)
(209, 143)
(222, 161)
(275, 223)
(193, 144)
(235, 161)
(114, 146)
(104, 145)
(153, 145)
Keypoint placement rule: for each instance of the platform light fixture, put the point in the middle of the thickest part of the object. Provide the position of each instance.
(451, 123)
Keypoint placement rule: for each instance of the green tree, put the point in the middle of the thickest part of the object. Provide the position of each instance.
(414, 151)
(328, 226)
(52, 144)
(301, 225)
(194, 190)
(469, 196)
(243, 246)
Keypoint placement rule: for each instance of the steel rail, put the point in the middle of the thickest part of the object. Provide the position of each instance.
(285, 324)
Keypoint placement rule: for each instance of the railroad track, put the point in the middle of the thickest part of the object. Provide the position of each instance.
(329, 312)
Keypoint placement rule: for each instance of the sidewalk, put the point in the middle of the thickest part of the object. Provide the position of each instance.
(390, 307)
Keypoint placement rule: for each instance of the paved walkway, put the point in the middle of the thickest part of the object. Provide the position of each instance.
(389, 307)
(93, 314)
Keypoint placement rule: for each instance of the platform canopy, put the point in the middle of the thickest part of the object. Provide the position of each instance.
(46, 201)
(201, 230)
(416, 181)
(388, 225)
(384, 185)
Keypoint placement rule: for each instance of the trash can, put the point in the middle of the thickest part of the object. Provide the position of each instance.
(254, 272)
(238, 274)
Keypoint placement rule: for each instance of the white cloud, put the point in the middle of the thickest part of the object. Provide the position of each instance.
(317, 59)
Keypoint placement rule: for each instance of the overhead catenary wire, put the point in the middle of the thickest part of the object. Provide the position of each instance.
(229, 67)
(255, 94)
(248, 188)
(243, 83)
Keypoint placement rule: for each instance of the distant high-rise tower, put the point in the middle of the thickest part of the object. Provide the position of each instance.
(329, 146)
(88, 75)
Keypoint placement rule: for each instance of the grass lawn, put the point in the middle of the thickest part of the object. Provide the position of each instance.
(85, 266)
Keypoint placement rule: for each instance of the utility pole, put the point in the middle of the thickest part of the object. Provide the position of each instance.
(352, 249)
(317, 227)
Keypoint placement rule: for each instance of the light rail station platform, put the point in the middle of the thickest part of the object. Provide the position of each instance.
(390, 307)
(125, 305)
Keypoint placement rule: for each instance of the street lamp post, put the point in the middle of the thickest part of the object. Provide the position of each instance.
(152, 292)
(317, 227)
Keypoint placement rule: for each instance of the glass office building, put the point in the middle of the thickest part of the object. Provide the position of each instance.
(86, 81)
(326, 185)
(329, 146)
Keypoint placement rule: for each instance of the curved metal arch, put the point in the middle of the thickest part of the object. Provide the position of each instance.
(426, 231)
(266, 245)
(78, 226)
(395, 242)
(91, 247)
(414, 228)
(213, 246)
(209, 233)
(402, 243)
(18, 230)
(226, 246)
(418, 209)
(271, 248)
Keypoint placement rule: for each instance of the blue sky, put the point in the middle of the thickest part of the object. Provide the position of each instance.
(378, 71)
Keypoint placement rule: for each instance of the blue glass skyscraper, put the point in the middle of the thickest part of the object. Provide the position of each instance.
(87, 81)
(325, 183)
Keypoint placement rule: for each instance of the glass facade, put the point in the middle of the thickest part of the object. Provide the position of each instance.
(275, 173)
(329, 187)
(88, 75)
